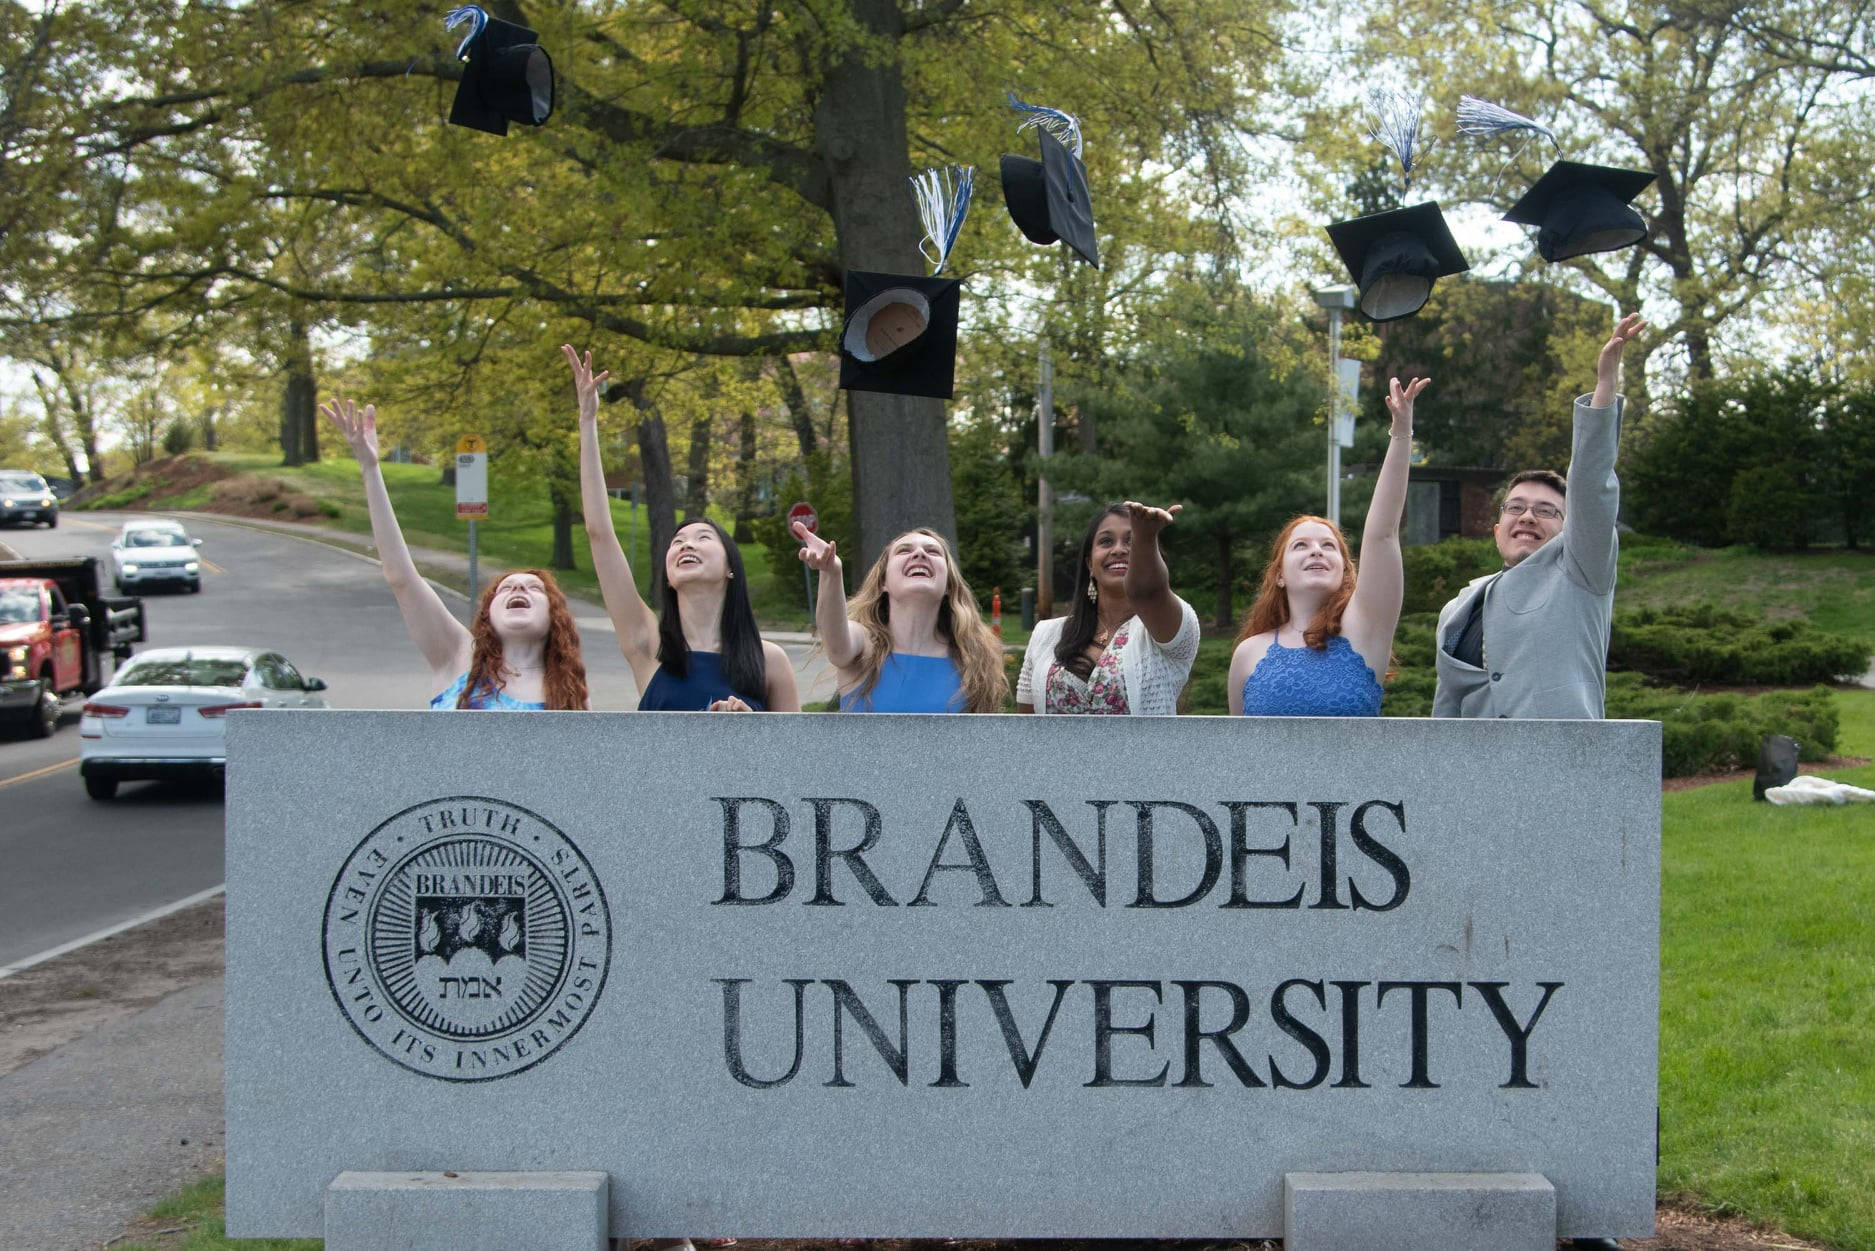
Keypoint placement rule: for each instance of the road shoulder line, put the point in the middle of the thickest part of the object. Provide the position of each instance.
(19, 966)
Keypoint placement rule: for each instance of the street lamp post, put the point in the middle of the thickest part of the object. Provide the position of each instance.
(1336, 300)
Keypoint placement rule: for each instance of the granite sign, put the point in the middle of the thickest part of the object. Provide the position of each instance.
(920, 976)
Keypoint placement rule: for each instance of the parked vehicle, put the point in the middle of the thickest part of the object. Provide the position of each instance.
(59, 635)
(164, 715)
(24, 496)
(150, 550)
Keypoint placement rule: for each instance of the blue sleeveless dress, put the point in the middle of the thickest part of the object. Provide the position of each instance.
(1303, 682)
(704, 685)
(911, 684)
(446, 701)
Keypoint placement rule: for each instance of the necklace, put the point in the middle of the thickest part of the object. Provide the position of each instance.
(1103, 636)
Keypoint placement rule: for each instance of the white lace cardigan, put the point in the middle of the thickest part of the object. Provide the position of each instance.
(1154, 672)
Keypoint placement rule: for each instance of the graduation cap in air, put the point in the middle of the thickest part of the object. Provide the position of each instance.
(1394, 257)
(1049, 199)
(508, 78)
(1577, 209)
(900, 331)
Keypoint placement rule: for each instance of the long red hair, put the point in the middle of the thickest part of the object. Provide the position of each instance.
(563, 683)
(1271, 609)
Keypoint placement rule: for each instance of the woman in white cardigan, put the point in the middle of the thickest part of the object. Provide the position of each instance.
(1127, 643)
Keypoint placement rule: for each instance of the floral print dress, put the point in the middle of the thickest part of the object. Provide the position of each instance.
(1104, 692)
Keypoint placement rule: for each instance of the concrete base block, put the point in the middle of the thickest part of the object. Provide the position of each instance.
(1418, 1212)
(467, 1212)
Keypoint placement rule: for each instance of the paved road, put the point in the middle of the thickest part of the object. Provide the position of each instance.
(73, 866)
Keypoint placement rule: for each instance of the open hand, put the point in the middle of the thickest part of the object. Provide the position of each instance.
(816, 553)
(585, 383)
(359, 428)
(1147, 521)
(1400, 403)
(1608, 364)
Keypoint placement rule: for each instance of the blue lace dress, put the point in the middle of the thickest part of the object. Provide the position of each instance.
(1303, 682)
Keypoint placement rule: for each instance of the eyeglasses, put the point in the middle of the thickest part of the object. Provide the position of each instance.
(1542, 512)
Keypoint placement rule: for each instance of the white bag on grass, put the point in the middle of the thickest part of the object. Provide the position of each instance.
(1806, 788)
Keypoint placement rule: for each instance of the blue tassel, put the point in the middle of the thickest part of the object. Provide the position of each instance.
(1483, 120)
(1065, 127)
(943, 198)
(1396, 124)
(475, 15)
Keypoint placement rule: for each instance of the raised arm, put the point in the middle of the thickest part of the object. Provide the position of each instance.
(1148, 585)
(840, 640)
(443, 640)
(1594, 500)
(1374, 610)
(632, 619)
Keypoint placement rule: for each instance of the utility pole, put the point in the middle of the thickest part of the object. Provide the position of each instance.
(1336, 300)
(1044, 495)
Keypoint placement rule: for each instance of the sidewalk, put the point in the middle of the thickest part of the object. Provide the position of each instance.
(449, 572)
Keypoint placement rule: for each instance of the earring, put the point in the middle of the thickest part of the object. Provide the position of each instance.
(1093, 592)
(730, 574)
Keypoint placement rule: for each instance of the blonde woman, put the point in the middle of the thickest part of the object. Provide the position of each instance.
(912, 639)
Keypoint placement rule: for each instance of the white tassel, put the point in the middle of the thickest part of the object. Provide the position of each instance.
(943, 198)
(1065, 127)
(1482, 119)
(1396, 123)
(477, 18)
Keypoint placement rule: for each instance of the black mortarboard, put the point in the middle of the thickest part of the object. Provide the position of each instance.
(900, 334)
(508, 78)
(1580, 209)
(1394, 257)
(1049, 199)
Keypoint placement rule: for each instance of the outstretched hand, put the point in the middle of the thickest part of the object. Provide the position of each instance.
(1147, 521)
(1608, 365)
(1400, 403)
(359, 428)
(816, 553)
(585, 383)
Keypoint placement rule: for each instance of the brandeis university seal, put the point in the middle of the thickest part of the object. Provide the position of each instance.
(467, 939)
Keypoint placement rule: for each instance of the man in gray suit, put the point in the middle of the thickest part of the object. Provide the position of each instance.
(1532, 639)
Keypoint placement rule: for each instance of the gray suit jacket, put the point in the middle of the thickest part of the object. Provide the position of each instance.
(1546, 618)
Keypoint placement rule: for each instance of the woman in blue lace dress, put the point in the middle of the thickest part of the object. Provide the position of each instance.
(1317, 638)
(520, 649)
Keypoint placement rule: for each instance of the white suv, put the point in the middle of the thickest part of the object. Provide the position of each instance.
(152, 551)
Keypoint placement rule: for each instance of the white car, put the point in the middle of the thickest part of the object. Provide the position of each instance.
(153, 550)
(164, 715)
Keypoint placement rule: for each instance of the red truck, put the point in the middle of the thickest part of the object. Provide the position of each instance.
(59, 635)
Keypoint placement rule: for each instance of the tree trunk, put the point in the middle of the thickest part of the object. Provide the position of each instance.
(211, 437)
(85, 426)
(798, 412)
(563, 514)
(1226, 613)
(697, 488)
(900, 456)
(55, 429)
(299, 435)
(745, 475)
(1084, 427)
(654, 459)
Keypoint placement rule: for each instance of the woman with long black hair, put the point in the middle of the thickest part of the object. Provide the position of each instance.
(701, 650)
(1128, 643)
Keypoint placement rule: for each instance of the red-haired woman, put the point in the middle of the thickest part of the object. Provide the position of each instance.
(521, 648)
(1317, 637)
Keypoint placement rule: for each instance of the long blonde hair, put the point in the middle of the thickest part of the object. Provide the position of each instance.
(974, 649)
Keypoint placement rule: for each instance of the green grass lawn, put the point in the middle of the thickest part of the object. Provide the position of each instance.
(197, 1208)
(1767, 1014)
(1835, 589)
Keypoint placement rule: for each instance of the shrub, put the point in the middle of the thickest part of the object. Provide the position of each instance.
(328, 509)
(1705, 643)
(178, 436)
(1714, 733)
(1438, 571)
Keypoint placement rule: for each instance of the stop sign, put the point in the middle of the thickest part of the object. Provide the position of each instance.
(804, 513)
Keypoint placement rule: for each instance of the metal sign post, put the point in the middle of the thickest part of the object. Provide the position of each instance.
(1336, 300)
(804, 513)
(472, 495)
